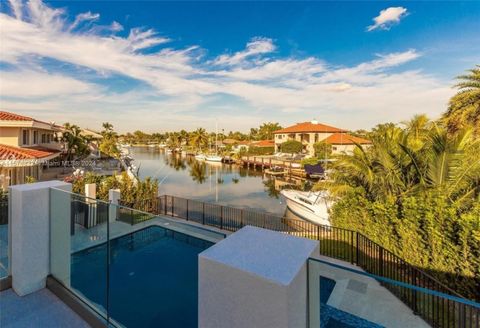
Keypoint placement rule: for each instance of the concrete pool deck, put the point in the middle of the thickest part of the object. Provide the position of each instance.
(39, 309)
(363, 296)
(86, 238)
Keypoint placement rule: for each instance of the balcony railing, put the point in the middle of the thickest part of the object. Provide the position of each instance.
(338, 243)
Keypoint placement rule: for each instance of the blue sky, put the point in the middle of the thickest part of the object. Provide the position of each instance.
(160, 66)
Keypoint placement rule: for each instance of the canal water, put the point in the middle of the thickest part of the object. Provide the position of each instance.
(224, 184)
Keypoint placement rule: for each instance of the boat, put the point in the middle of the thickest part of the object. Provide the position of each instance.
(309, 206)
(275, 171)
(213, 158)
(200, 157)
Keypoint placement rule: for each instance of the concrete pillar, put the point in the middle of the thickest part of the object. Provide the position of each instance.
(113, 198)
(254, 278)
(29, 229)
(91, 193)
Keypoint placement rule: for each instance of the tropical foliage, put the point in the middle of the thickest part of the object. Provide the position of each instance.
(108, 145)
(132, 192)
(416, 191)
(76, 143)
(464, 108)
(322, 149)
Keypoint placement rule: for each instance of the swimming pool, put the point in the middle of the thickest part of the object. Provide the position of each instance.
(153, 278)
(331, 317)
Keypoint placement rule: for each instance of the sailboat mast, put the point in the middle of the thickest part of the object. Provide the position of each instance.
(216, 136)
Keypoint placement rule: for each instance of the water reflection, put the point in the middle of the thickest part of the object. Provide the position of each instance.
(212, 182)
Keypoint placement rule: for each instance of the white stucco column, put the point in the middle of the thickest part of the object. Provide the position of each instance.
(254, 278)
(113, 198)
(91, 193)
(30, 233)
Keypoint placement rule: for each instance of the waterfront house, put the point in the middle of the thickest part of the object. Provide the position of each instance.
(26, 144)
(309, 133)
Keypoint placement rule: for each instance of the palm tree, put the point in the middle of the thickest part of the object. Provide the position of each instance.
(199, 139)
(394, 167)
(464, 108)
(76, 143)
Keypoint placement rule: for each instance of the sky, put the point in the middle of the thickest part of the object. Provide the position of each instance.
(161, 66)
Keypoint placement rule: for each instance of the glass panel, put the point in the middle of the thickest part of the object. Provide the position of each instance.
(4, 249)
(78, 224)
(343, 296)
(151, 275)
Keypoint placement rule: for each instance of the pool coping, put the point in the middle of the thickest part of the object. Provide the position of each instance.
(160, 221)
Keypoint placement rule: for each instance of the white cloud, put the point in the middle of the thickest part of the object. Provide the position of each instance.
(84, 17)
(256, 46)
(26, 84)
(387, 18)
(176, 84)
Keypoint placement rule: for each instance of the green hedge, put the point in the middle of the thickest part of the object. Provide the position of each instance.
(427, 231)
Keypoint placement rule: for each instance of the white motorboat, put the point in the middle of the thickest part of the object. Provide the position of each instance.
(310, 206)
(200, 157)
(213, 158)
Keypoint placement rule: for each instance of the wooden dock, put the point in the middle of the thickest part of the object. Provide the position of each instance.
(268, 162)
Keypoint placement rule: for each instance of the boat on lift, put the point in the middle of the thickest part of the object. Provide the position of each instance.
(309, 206)
(200, 157)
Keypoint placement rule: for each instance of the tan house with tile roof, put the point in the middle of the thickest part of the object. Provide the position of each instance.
(26, 144)
(309, 133)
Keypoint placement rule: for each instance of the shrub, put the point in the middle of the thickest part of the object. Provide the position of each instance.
(291, 147)
(322, 149)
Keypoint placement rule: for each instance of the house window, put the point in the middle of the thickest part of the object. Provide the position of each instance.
(25, 137)
(44, 138)
(35, 137)
(334, 148)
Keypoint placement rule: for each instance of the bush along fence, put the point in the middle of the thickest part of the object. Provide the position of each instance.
(339, 243)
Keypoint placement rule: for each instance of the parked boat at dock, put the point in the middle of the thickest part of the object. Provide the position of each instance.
(310, 206)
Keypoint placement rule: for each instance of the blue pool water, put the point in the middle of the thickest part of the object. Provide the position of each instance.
(331, 317)
(153, 278)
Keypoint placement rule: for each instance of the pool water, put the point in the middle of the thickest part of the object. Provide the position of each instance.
(331, 317)
(153, 278)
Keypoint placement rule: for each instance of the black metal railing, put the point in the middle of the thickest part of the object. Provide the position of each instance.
(87, 213)
(339, 243)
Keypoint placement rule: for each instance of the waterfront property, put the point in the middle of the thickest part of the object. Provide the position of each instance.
(190, 264)
(309, 133)
(26, 144)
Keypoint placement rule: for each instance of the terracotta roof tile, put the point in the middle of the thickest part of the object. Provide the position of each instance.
(345, 139)
(18, 153)
(264, 143)
(6, 116)
(309, 127)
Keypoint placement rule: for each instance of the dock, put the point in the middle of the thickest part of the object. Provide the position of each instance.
(268, 162)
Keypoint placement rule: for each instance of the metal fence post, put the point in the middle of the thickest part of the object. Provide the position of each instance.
(187, 209)
(165, 205)
(357, 250)
(351, 247)
(203, 213)
(173, 205)
(381, 262)
(221, 217)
